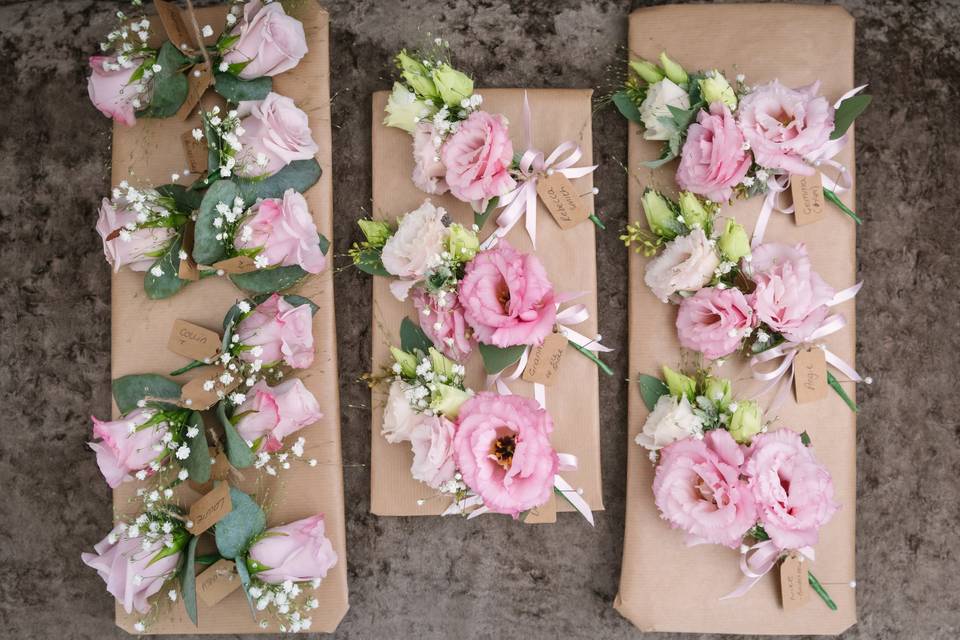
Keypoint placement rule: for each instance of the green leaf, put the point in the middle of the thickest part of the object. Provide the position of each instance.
(627, 108)
(240, 455)
(187, 200)
(169, 84)
(324, 243)
(206, 248)
(299, 175)
(370, 261)
(805, 439)
(197, 463)
(847, 112)
(496, 359)
(238, 528)
(188, 580)
(835, 385)
(129, 390)
(236, 90)
(651, 389)
(413, 338)
(168, 282)
(269, 280)
(480, 219)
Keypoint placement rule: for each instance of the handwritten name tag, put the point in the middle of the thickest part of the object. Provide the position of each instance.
(562, 200)
(543, 367)
(192, 341)
(810, 375)
(808, 203)
(210, 509)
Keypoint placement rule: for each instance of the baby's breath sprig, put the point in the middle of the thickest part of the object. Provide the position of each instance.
(289, 602)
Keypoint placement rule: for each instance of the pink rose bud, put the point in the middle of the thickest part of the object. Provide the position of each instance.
(283, 333)
(270, 40)
(714, 321)
(432, 443)
(125, 448)
(429, 172)
(445, 326)
(270, 414)
(137, 249)
(713, 159)
(111, 91)
(298, 551)
(275, 133)
(284, 231)
(478, 158)
(790, 296)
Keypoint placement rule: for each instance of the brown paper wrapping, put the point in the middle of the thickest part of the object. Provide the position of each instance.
(665, 586)
(568, 256)
(146, 155)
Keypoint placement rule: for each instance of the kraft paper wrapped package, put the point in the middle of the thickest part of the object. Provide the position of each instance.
(664, 585)
(569, 257)
(147, 154)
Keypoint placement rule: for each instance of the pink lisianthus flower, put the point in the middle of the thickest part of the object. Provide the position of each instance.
(445, 325)
(507, 298)
(124, 448)
(714, 321)
(697, 488)
(275, 133)
(137, 249)
(432, 443)
(429, 171)
(502, 448)
(284, 231)
(713, 159)
(277, 331)
(111, 90)
(792, 490)
(790, 296)
(270, 414)
(299, 552)
(270, 40)
(478, 158)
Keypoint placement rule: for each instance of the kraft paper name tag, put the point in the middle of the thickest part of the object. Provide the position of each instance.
(218, 581)
(174, 24)
(808, 204)
(188, 267)
(219, 470)
(794, 584)
(562, 200)
(195, 152)
(544, 364)
(236, 264)
(195, 396)
(210, 509)
(810, 375)
(545, 513)
(198, 81)
(192, 341)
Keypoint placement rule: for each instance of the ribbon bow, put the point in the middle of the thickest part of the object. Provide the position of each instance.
(757, 560)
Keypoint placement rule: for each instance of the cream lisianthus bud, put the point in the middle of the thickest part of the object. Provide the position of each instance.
(715, 88)
(680, 385)
(746, 422)
(646, 70)
(733, 242)
(693, 212)
(673, 70)
(454, 86)
(660, 215)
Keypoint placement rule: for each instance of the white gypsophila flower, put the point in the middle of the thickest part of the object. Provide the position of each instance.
(183, 452)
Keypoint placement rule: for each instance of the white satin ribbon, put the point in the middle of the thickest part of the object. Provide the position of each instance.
(757, 560)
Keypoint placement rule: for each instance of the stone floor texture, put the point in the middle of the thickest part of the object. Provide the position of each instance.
(433, 578)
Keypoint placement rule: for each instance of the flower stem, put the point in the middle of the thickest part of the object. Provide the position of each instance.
(589, 354)
(596, 221)
(816, 586)
(832, 197)
(193, 365)
(835, 385)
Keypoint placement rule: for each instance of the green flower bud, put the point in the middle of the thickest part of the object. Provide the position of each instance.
(407, 362)
(453, 85)
(462, 243)
(717, 89)
(717, 391)
(733, 242)
(646, 70)
(679, 384)
(447, 400)
(673, 70)
(404, 111)
(746, 422)
(693, 212)
(417, 76)
(660, 215)
(376, 232)
(442, 365)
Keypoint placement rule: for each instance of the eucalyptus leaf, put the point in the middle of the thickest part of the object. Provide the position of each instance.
(299, 175)
(627, 108)
(847, 112)
(187, 200)
(412, 337)
(207, 249)
(129, 390)
(238, 528)
(651, 389)
(197, 463)
(238, 452)
(244, 574)
(496, 359)
(236, 90)
(168, 282)
(269, 280)
(188, 579)
(170, 84)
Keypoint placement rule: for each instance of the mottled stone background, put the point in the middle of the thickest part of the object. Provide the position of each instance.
(433, 578)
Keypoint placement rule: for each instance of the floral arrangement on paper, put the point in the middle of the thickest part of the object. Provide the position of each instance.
(723, 477)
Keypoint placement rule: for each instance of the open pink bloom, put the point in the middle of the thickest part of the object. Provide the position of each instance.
(697, 488)
(507, 298)
(713, 321)
(478, 158)
(429, 171)
(790, 296)
(111, 90)
(432, 442)
(275, 133)
(273, 413)
(502, 448)
(785, 125)
(445, 326)
(285, 231)
(713, 159)
(137, 249)
(270, 40)
(793, 491)
(127, 566)
(120, 453)
(299, 551)
(278, 331)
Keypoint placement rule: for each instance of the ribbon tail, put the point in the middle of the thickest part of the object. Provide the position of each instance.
(570, 495)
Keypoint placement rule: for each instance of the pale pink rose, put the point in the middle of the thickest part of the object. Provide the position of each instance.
(120, 452)
(415, 248)
(429, 171)
(271, 40)
(478, 158)
(299, 551)
(127, 566)
(790, 296)
(507, 298)
(137, 249)
(713, 159)
(111, 90)
(282, 332)
(445, 325)
(792, 490)
(270, 414)
(714, 321)
(285, 231)
(686, 264)
(697, 488)
(785, 125)
(432, 442)
(502, 448)
(275, 130)
(399, 418)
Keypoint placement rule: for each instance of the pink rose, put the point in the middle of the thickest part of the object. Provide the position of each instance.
(429, 172)
(275, 133)
(502, 448)
(127, 566)
(270, 414)
(790, 296)
(793, 491)
(445, 326)
(137, 249)
(784, 125)
(713, 160)
(478, 158)
(285, 231)
(713, 321)
(298, 551)
(271, 40)
(124, 448)
(432, 442)
(111, 91)
(282, 332)
(697, 488)
(507, 298)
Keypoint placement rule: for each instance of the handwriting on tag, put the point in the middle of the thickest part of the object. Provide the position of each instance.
(198, 81)
(810, 375)
(195, 395)
(188, 267)
(544, 364)
(794, 584)
(218, 581)
(192, 341)
(808, 201)
(210, 509)
(173, 23)
(236, 264)
(562, 200)
(195, 152)
(545, 513)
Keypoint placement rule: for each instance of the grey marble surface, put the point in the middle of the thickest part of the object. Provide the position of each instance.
(432, 578)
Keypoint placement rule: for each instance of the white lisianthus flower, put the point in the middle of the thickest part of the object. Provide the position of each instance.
(404, 111)
(686, 264)
(399, 418)
(660, 97)
(415, 248)
(670, 420)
